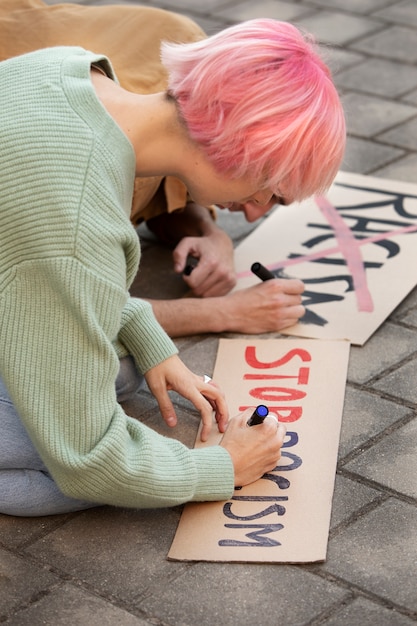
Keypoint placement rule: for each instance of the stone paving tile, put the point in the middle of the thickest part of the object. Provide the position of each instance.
(404, 135)
(411, 318)
(411, 98)
(365, 416)
(141, 403)
(368, 115)
(349, 498)
(354, 6)
(201, 358)
(402, 12)
(391, 462)
(70, 606)
(401, 383)
(120, 554)
(397, 43)
(209, 25)
(365, 157)
(379, 77)
(390, 344)
(278, 10)
(208, 6)
(214, 594)
(404, 169)
(339, 28)
(16, 532)
(21, 582)
(339, 59)
(364, 612)
(375, 552)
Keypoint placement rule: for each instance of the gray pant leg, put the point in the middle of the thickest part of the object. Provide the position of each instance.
(26, 487)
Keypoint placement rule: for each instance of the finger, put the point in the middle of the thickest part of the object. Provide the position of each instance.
(179, 255)
(167, 410)
(207, 380)
(217, 401)
(271, 418)
(206, 413)
(202, 280)
(289, 286)
(208, 403)
(296, 312)
(280, 429)
(293, 286)
(281, 432)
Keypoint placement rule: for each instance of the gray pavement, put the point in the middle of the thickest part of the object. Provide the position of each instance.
(108, 566)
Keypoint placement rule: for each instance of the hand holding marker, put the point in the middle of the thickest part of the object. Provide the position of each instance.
(258, 417)
(261, 272)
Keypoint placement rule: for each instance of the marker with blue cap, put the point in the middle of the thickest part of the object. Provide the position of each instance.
(258, 415)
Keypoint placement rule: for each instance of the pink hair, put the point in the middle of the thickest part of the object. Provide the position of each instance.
(261, 102)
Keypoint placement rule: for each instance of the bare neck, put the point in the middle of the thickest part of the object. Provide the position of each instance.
(160, 141)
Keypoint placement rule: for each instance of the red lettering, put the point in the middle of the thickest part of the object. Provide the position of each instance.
(302, 378)
(277, 394)
(253, 361)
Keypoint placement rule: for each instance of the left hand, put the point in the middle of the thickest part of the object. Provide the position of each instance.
(173, 375)
(215, 273)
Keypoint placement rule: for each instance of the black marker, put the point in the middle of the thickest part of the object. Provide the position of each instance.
(191, 263)
(258, 415)
(261, 272)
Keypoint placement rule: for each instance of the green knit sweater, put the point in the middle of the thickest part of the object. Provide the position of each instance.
(68, 255)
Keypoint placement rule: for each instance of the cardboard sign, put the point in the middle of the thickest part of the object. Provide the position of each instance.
(355, 250)
(284, 516)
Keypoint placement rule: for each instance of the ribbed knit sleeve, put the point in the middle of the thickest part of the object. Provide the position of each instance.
(68, 255)
(60, 367)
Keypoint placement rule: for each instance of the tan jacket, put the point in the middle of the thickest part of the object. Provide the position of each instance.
(130, 36)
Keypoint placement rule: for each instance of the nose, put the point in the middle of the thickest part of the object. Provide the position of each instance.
(263, 198)
(258, 205)
(253, 211)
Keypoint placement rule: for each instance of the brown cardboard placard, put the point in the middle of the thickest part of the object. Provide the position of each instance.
(355, 249)
(283, 517)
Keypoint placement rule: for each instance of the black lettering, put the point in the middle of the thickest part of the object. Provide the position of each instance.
(291, 439)
(296, 462)
(259, 540)
(280, 481)
(396, 200)
(274, 508)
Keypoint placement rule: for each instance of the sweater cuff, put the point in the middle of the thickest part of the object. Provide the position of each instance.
(143, 336)
(215, 474)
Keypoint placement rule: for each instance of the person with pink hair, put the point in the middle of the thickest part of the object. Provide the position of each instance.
(250, 115)
(258, 103)
(126, 33)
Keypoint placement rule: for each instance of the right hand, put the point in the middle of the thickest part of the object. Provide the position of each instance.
(269, 306)
(254, 450)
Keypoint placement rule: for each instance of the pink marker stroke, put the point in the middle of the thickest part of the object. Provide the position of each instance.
(350, 250)
(334, 250)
